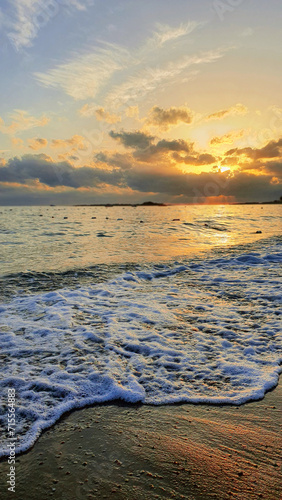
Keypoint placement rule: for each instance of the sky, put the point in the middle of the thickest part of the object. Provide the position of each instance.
(125, 101)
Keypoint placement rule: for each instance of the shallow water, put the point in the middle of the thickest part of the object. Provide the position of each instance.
(193, 322)
(60, 238)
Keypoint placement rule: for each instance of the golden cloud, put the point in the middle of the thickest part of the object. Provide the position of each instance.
(21, 120)
(37, 143)
(239, 109)
(101, 114)
(227, 138)
(77, 141)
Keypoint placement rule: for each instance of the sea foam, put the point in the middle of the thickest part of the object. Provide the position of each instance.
(198, 332)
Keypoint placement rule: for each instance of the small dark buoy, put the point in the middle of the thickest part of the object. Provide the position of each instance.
(107, 217)
(65, 217)
(119, 219)
(258, 232)
(141, 222)
(52, 217)
(93, 217)
(175, 220)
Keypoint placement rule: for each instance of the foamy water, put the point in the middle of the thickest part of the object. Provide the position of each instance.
(203, 329)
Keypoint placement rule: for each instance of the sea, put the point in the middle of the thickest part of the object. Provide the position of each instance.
(146, 305)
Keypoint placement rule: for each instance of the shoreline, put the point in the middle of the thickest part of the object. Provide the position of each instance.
(196, 452)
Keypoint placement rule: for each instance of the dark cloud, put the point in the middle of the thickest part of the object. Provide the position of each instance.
(201, 159)
(272, 150)
(135, 140)
(196, 187)
(273, 168)
(148, 168)
(144, 148)
(163, 148)
(165, 118)
(176, 145)
(54, 174)
(118, 160)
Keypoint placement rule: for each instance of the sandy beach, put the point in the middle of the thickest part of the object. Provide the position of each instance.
(144, 452)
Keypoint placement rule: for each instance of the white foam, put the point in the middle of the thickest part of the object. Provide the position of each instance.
(204, 332)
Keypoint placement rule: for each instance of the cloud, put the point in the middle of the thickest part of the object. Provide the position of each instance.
(138, 70)
(227, 138)
(165, 118)
(85, 75)
(37, 143)
(105, 116)
(162, 151)
(196, 160)
(163, 148)
(43, 169)
(149, 78)
(132, 111)
(198, 187)
(22, 120)
(77, 141)
(165, 33)
(118, 171)
(136, 140)
(89, 110)
(146, 150)
(122, 161)
(27, 17)
(239, 109)
(17, 142)
(272, 150)
(273, 168)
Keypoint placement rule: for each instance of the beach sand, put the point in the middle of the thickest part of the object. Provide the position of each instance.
(137, 452)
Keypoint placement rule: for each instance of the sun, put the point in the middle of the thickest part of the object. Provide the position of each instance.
(224, 169)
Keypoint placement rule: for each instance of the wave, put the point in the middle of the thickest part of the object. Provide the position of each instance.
(201, 331)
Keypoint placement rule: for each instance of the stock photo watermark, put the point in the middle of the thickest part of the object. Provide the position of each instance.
(11, 440)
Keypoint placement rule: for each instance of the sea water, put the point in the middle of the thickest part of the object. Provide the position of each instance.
(151, 305)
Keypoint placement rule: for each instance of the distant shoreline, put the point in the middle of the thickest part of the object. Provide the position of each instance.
(275, 202)
(109, 205)
(152, 204)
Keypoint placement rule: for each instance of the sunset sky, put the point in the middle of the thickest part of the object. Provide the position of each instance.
(127, 101)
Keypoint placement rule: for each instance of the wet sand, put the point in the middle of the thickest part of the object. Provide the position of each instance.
(195, 452)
